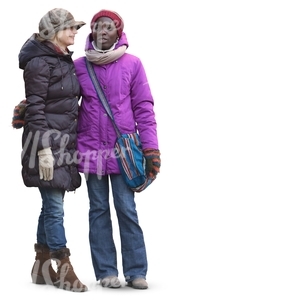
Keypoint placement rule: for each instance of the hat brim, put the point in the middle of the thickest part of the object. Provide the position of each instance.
(77, 24)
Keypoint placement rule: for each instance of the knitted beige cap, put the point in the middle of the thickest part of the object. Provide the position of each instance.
(55, 20)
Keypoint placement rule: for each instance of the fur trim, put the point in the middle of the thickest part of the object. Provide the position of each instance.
(60, 254)
(41, 248)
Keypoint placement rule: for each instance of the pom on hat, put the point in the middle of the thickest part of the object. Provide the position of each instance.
(112, 15)
(55, 20)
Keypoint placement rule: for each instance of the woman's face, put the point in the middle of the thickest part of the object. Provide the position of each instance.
(105, 33)
(66, 37)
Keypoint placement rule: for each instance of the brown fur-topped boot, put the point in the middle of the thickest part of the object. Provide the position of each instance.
(42, 271)
(66, 277)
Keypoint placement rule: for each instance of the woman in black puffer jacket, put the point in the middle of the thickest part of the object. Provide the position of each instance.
(49, 139)
(52, 93)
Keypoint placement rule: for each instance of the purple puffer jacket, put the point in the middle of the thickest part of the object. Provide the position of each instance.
(126, 88)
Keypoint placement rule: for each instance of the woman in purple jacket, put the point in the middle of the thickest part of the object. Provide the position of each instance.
(124, 82)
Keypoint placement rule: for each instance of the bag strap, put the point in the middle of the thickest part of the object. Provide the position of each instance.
(101, 95)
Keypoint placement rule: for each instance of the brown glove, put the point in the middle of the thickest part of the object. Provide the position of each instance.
(152, 162)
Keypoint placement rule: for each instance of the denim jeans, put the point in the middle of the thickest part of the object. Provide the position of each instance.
(103, 250)
(51, 231)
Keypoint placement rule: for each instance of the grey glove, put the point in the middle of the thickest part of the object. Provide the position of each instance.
(46, 162)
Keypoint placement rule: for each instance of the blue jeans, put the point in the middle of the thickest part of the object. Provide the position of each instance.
(51, 231)
(103, 250)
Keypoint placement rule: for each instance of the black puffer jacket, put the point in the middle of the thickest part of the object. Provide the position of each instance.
(52, 93)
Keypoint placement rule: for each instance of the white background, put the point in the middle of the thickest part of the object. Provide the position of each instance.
(222, 219)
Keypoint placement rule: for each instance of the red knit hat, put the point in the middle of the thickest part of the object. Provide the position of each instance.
(112, 15)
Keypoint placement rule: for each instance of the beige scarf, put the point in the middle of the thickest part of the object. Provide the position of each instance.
(99, 58)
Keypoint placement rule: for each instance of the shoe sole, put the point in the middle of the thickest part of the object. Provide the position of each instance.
(129, 284)
(111, 286)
